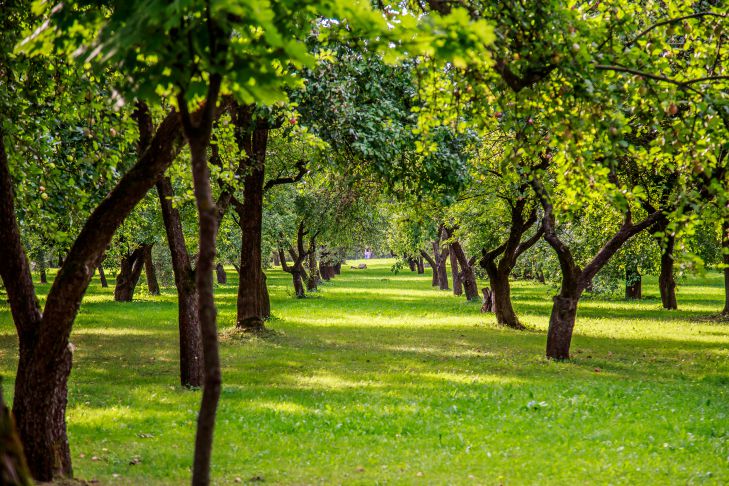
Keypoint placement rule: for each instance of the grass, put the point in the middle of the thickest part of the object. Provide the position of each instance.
(380, 379)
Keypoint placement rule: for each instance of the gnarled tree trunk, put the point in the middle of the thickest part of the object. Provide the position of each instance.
(466, 273)
(434, 280)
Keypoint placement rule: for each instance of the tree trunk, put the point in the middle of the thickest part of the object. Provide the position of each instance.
(561, 325)
(265, 299)
(129, 273)
(276, 261)
(198, 138)
(666, 281)
(191, 365)
(488, 300)
(220, 274)
(466, 274)
(457, 284)
(42, 268)
(298, 284)
(503, 309)
(253, 145)
(420, 265)
(313, 280)
(411, 263)
(633, 282)
(102, 277)
(725, 260)
(13, 465)
(338, 268)
(441, 258)
(44, 363)
(434, 280)
(150, 271)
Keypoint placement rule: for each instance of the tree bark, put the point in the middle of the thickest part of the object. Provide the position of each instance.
(725, 260)
(102, 277)
(39, 403)
(440, 260)
(265, 299)
(150, 271)
(13, 466)
(220, 274)
(252, 142)
(129, 273)
(434, 281)
(466, 274)
(313, 280)
(298, 274)
(457, 284)
(633, 282)
(42, 268)
(420, 265)
(666, 280)
(188, 320)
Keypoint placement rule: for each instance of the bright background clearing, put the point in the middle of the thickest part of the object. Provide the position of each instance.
(379, 378)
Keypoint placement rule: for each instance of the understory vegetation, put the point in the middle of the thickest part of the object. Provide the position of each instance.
(379, 378)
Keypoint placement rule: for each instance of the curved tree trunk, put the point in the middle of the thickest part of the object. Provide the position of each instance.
(466, 274)
(434, 281)
(188, 321)
(150, 271)
(666, 280)
(129, 272)
(220, 274)
(39, 403)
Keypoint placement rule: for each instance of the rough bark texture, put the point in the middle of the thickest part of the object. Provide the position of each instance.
(150, 271)
(39, 403)
(220, 274)
(420, 265)
(130, 270)
(188, 321)
(252, 142)
(13, 466)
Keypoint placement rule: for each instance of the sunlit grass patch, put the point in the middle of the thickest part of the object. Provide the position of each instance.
(380, 378)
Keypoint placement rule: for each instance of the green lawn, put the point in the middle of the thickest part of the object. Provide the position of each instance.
(380, 379)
